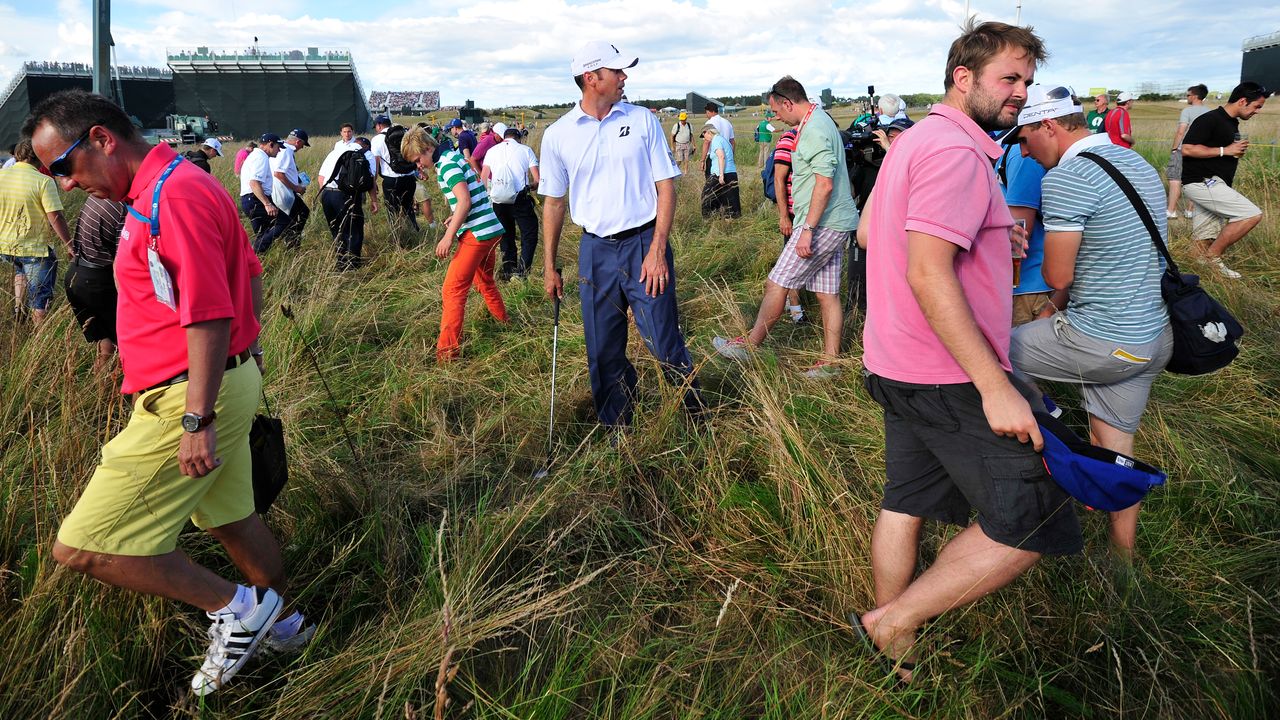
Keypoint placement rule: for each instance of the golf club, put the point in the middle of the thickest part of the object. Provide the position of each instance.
(555, 345)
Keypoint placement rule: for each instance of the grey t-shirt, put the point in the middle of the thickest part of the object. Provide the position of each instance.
(1115, 291)
(1189, 114)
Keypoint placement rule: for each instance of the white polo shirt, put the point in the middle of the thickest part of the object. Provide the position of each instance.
(723, 126)
(285, 162)
(607, 167)
(515, 157)
(329, 168)
(343, 145)
(378, 146)
(256, 167)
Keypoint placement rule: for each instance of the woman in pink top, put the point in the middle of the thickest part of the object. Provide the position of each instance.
(243, 154)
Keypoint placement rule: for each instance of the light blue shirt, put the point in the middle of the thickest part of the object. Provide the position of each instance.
(719, 143)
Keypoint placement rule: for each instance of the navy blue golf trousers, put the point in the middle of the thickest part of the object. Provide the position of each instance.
(608, 284)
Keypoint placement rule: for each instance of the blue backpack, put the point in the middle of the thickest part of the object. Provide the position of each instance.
(766, 176)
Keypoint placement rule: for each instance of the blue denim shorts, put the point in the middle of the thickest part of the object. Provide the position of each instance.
(41, 274)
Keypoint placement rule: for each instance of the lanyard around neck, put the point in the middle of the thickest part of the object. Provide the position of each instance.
(805, 121)
(154, 220)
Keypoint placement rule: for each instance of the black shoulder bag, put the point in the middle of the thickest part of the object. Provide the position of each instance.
(270, 465)
(1205, 334)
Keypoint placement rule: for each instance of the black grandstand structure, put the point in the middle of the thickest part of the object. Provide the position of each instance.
(147, 92)
(1261, 61)
(696, 103)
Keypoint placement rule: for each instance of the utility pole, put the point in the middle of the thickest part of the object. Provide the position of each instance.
(102, 49)
(1018, 17)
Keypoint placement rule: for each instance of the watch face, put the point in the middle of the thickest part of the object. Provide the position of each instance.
(190, 422)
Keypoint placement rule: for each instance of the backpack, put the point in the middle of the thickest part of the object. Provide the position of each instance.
(766, 175)
(394, 135)
(354, 175)
(502, 183)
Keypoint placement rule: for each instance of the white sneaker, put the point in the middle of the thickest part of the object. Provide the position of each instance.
(232, 641)
(289, 645)
(1188, 214)
(732, 348)
(1222, 268)
(1171, 215)
(822, 370)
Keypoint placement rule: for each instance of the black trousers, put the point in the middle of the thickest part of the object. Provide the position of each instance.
(717, 197)
(299, 214)
(345, 216)
(397, 195)
(522, 215)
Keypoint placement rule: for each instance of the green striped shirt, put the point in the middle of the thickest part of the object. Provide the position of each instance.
(1115, 293)
(452, 169)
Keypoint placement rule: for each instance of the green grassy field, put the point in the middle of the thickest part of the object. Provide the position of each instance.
(689, 573)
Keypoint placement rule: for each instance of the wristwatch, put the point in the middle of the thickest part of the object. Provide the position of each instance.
(806, 226)
(192, 422)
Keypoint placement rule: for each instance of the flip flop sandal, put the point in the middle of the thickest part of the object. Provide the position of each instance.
(890, 666)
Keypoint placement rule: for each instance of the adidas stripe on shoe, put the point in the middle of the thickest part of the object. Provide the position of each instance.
(232, 641)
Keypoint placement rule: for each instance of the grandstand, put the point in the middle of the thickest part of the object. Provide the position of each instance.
(1261, 61)
(694, 103)
(147, 92)
(404, 102)
(256, 90)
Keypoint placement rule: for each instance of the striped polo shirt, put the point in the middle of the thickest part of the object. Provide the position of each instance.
(1115, 291)
(452, 169)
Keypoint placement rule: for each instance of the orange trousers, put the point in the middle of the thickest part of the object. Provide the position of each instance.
(472, 264)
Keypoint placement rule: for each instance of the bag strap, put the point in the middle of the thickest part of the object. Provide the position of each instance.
(1141, 207)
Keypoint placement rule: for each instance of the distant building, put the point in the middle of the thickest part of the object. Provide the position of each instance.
(827, 97)
(1261, 61)
(695, 103)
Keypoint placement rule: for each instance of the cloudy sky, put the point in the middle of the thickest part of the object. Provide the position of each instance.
(517, 51)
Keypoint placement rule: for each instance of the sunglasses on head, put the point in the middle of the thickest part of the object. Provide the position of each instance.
(61, 165)
(1059, 93)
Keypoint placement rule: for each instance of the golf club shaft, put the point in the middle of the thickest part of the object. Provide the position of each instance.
(555, 348)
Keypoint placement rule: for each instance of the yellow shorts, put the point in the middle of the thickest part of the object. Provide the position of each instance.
(137, 500)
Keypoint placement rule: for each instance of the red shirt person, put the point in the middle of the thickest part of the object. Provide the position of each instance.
(189, 300)
(1118, 124)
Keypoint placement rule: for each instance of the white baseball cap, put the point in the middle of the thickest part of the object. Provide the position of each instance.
(215, 144)
(499, 129)
(1045, 102)
(1124, 97)
(600, 54)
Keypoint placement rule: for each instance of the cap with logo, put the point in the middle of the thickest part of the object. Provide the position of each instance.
(1124, 97)
(269, 138)
(1100, 478)
(600, 54)
(1044, 102)
(454, 123)
(215, 144)
(300, 134)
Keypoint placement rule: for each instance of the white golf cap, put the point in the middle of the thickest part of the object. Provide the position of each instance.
(1045, 102)
(600, 54)
(1124, 97)
(499, 129)
(215, 144)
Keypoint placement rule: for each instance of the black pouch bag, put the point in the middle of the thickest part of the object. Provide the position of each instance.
(270, 465)
(1205, 334)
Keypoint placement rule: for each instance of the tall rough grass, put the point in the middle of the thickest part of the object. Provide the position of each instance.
(690, 572)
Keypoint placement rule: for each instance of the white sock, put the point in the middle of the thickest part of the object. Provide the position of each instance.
(243, 603)
(288, 627)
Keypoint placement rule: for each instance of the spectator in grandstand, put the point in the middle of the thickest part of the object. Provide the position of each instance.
(1211, 150)
(29, 203)
(1118, 123)
(464, 140)
(510, 172)
(720, 190)
(1108, 332)
(1097, 117)
(346, 138)
(90, 281)
(487, 138)
(287, 186)
(243, 154)
(200, 157)
(812, 258)
(474, 225)
(397, 186)
(682, 141)
(344, 212)
(256, 183)
(1194, 109)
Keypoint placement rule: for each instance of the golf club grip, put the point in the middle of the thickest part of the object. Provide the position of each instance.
(556, 302)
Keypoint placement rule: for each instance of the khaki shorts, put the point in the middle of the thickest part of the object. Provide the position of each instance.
(1027, 306)
(1216, 205)
(683, 151)
(420, 192)
(137, 501)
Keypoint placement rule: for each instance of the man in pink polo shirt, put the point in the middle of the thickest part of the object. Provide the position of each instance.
(188, 307)
(958, 435)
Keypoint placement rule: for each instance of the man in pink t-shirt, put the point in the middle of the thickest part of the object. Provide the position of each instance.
(959, 436)
(188, 321)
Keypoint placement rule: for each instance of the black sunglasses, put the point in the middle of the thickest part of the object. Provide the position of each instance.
(1059, 93)
(61, 165)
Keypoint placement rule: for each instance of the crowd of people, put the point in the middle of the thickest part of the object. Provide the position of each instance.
(395, 100)
(999, 254)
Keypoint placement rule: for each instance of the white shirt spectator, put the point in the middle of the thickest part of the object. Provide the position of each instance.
(256, 167)
(342, 145)
(723, 126)
(515, 157)
(329, 168)
(607, 167)
(285, 162)
(378, 146)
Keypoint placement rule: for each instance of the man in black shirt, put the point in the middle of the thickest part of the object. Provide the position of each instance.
(90, 285)
(201, 156)
(1211, 150)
